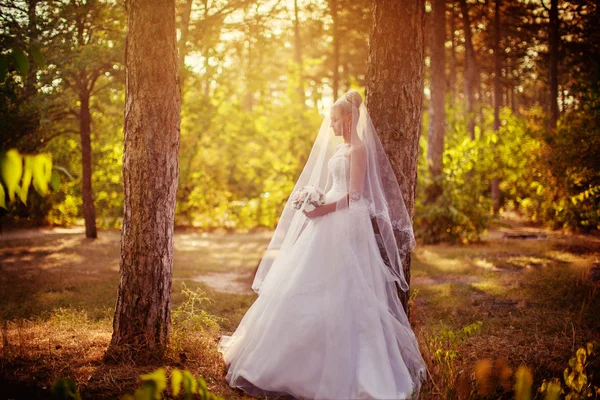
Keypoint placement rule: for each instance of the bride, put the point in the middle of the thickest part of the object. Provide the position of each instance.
(327, 323)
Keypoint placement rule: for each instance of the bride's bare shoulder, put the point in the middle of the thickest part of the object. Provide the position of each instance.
(358, 148)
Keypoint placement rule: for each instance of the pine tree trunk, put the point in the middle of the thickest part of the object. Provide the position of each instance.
(495, 185)
(333, 4)
(150, 173)
(85, 132)
(452, 79)
(395, 77)
(470, 78)
(298, 53)
(437, 115)
(553, 45)
(32, 33)
(184, 33)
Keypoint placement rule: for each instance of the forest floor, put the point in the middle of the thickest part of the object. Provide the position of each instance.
(535, 302)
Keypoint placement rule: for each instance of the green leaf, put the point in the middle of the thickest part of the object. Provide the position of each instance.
(553, 390)
(55, 181)
(21, 61)
(26, 181)
(189, 383)
(203, 389)
(159, 379)
(2, 197)
(42, 172)
(11, 168)
(176, 378)
(65, 389)
(590, 348)
(147, 391)
(523, 383)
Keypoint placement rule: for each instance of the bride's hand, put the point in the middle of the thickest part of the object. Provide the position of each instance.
(317, 212)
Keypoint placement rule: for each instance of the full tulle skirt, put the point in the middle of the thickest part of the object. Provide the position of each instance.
(327, 323)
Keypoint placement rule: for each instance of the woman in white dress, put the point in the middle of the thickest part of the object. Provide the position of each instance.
(327, 323)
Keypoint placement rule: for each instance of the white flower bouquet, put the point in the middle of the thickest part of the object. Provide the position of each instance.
(308, 198)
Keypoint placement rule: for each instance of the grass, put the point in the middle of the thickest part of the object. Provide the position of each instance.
(58, 296)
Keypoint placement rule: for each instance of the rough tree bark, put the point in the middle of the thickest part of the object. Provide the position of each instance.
(150, 173)
(452, 77)
(32, 33)
(183, 38)
(335, 81)
(471, 69)
(437, 105)
(85, 133)
(554, 40)
(298, 53)
(495, 185)
(395, 75)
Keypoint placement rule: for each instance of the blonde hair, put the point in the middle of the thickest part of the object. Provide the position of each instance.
(348, 101)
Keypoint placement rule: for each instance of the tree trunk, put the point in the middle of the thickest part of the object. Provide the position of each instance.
(437, 113)
(32, 32)
(150, 173)
(85, 131)
(554, 40)
(470, 69)
(335, 81)
(298, 53)
(185, 30)
(495, 189)
(395, 75)
(452, 80)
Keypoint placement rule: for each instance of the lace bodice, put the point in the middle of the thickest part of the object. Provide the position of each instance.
(339, 169)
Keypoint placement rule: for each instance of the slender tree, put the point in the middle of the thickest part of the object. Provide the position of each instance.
(150, 173)
(335, 80)
(31, 82)
(452, 77)
(298, 53)
(437, 105)
(495, 185)
(471, 69)
(553, 45)
(89, 50)
(395, 76)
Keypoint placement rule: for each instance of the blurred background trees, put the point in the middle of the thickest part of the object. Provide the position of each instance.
(511, 107)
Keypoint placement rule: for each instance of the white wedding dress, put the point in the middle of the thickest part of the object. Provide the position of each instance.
(327, 323)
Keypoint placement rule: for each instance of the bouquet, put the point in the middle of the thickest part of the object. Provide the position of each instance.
(308, 198)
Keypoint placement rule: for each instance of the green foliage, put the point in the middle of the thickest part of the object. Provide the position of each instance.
(571, 158)
(443, 350)
(153, 387)
(549, 177)
(238, 165)
(192, 325)
(577, 378)
(523, 383)
(552, 389)
(190, 315)
(18, 59)
(462, 212)
(65, 389)
(18, 172)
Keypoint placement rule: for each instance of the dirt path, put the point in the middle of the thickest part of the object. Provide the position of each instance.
(40, 232)
(227, 263)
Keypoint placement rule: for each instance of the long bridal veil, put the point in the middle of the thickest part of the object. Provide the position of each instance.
(370, 184)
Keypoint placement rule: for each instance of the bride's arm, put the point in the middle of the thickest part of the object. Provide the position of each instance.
(358, 166)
